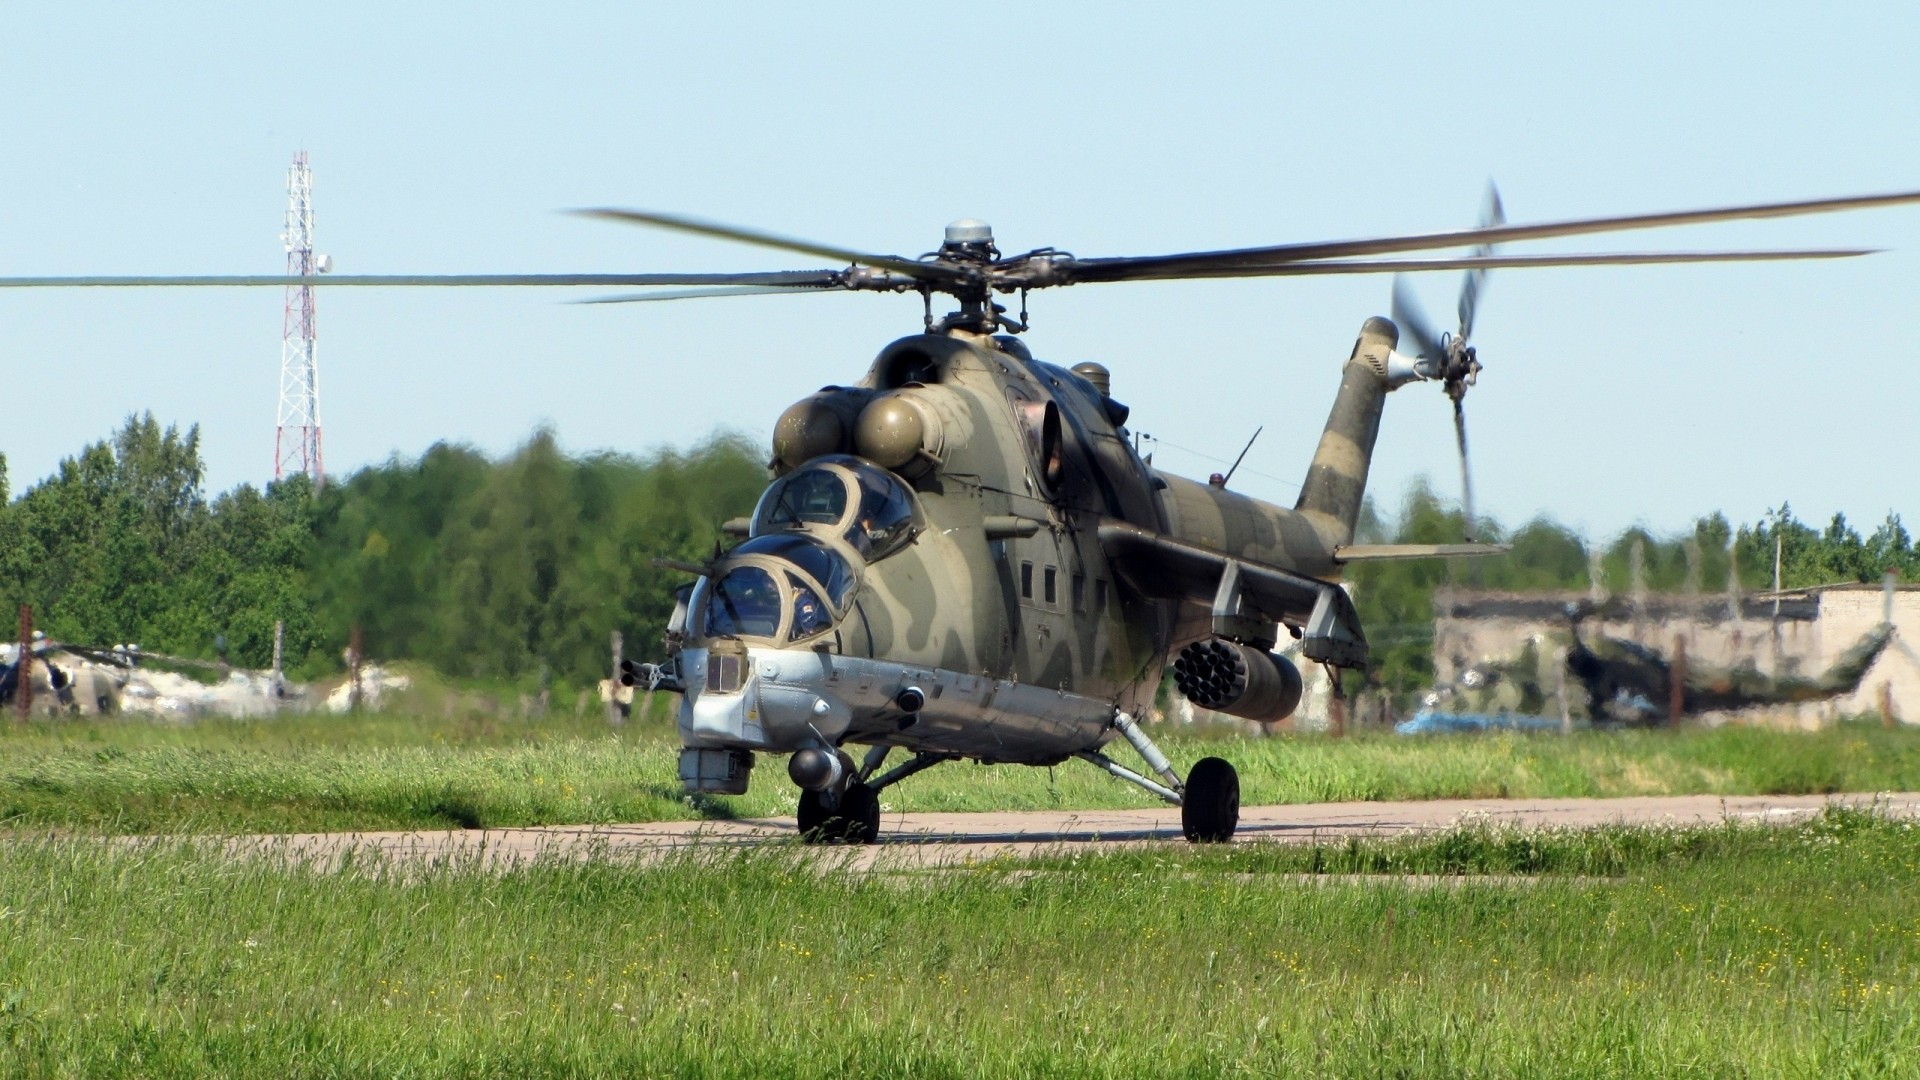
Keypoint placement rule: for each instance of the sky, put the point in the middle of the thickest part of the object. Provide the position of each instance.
(155, 139)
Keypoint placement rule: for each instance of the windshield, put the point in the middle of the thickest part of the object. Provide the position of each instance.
(744, 603)
(813, 559)
(811, 496)
(885, 521)
(810, 616)
(844, 496)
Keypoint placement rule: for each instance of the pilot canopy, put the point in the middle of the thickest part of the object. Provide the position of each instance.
(794, 577)
(776, 588)
(841, 497)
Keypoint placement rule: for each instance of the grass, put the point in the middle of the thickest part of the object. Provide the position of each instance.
(395, 771)
(1727, 951)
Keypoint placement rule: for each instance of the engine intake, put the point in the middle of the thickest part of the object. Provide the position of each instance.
(1226, 676)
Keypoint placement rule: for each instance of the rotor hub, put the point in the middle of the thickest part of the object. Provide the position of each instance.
(1462, 368)
(969, 240)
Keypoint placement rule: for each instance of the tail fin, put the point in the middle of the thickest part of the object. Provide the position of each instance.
(1337, 479)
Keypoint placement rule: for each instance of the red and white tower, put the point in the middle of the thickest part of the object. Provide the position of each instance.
(296, 439)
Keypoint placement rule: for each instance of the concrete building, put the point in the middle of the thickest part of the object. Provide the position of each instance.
(1793, 633)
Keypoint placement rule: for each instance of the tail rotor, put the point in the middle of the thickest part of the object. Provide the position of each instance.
(1455, 363)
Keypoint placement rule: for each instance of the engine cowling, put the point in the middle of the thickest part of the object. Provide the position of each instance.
(817, 425)
(1239, 680)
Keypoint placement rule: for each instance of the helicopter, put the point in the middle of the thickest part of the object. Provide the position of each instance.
(962, 555)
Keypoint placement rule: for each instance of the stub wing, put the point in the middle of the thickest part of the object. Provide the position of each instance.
(1239, 589)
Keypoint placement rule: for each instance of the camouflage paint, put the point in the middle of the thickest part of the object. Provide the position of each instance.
(1011, 445)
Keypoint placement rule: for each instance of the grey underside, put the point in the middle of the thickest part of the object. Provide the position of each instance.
(798, 697)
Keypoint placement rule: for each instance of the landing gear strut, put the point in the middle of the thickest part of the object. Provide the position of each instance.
(1209, 800)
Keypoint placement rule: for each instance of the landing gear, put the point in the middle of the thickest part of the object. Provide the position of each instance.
(855, 821)
(812, 818)
(860, 810)
(856, 818)
(1210, 810)
(1209, 800)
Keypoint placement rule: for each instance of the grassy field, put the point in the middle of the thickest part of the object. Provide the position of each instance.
(399, 771)
(469, 771)
(1729, 951)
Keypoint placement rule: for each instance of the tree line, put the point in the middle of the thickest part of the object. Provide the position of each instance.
(483, 568)
(505, 568)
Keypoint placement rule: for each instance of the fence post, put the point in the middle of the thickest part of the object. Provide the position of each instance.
(275, 685)
(1677, 680)
(354, 650)
(23, 665)
(1560, 691)
(614, 714)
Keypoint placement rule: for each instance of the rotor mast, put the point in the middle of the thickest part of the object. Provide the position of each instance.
(296, 438)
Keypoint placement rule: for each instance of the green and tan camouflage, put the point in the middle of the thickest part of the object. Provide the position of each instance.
(964, 556)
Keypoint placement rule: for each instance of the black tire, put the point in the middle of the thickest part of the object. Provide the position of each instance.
(856, 822)
(860, 814)
(812, 818)
(1210, 810)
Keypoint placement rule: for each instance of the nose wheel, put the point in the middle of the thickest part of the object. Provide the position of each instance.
(855, 821)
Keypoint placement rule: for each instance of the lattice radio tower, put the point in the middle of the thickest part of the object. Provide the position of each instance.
(296, 439)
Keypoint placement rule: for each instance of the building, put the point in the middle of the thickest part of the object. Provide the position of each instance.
(1791, 633)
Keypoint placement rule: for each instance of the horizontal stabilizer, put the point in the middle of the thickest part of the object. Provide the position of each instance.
(1352, 553)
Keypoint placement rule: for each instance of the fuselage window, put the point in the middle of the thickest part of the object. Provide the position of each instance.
(1026, 581)
(1052, 591)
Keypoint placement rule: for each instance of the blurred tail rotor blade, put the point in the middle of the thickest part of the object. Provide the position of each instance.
(1466, 473)
(1491, 216)
(1413, 323)
(1907, 651)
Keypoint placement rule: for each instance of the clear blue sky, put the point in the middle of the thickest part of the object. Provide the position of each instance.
(445, 138)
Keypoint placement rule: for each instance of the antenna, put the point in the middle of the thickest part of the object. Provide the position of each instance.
(296, 437)
(1243, 455)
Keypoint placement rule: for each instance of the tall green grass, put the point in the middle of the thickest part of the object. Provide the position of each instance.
(1731, 951)
(465, 771)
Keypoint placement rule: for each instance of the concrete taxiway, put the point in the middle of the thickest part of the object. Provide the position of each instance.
(933, 839)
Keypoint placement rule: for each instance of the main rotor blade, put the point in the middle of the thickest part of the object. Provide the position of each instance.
(1461, 262)
(1413, 323)
(748, 236)
(783, 278)
(1117, 269)
(697, 294)
(1491, 215)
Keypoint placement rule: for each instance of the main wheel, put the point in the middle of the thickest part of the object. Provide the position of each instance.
(856, 822)
(812, 818)
(860, 814)
(1210, 810)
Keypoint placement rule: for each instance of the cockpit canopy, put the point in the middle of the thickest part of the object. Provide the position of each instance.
(776, 588)
(844, 497)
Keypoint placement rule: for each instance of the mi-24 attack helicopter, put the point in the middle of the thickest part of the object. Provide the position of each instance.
(961, 555)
